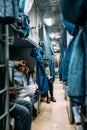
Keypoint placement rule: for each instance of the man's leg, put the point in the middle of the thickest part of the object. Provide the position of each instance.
(51, 92)
(22, 117)
(29, 106)
(48, 99)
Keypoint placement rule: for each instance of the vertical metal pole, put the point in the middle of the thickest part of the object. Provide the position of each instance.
(6, 74)
(37, 25)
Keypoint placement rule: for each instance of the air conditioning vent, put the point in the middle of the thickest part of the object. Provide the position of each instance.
(54, 1)
(43, 0)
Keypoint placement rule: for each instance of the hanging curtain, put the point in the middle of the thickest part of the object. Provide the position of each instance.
(25, 6)
(28, 6)
(77, 76)
(21, 4)
(41, 77)
(76, 79)
(66, 60)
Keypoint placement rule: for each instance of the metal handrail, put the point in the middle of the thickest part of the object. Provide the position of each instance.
(2, 91)
(2, 116)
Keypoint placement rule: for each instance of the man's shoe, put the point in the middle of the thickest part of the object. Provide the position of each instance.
(53, 99)
(48, 100)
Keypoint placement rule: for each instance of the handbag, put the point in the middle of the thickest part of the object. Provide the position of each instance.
(8, 11)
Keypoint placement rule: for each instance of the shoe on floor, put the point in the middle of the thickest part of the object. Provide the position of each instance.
(53, 99)
(48, 100)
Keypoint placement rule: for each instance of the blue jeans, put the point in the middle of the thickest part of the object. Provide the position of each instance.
(22, 114)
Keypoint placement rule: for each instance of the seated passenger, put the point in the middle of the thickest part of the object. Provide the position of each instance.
(21, 75)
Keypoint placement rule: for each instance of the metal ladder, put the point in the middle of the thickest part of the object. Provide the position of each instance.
(4, 81)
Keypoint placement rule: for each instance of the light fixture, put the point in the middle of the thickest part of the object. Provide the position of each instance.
(53, 43)
(48, 21)
(51, 35)
(57, 35)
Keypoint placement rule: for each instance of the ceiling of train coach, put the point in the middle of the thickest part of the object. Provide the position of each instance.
(50, 9)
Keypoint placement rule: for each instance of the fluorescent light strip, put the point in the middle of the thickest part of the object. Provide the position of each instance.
(51, 35)
(48, 21)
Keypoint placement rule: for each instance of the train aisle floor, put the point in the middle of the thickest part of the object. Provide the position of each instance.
(53, 116)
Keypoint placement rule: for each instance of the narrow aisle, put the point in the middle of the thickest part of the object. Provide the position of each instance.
(53, 116)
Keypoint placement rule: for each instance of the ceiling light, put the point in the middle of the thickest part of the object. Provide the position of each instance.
(53, 43)
(51, 35)
(48, 21)
(57, 35)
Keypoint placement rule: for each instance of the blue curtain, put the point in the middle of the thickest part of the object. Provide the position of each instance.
(63, 47)
(70, 27)
(21, 4)
(41, 77)
(76, 86)
(66, 60)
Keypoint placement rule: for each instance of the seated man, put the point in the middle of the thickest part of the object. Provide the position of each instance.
(20, 75)
(22, 112)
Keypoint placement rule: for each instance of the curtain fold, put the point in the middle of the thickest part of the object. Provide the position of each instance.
(41, 77)
(28, 6)
(25, 6)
